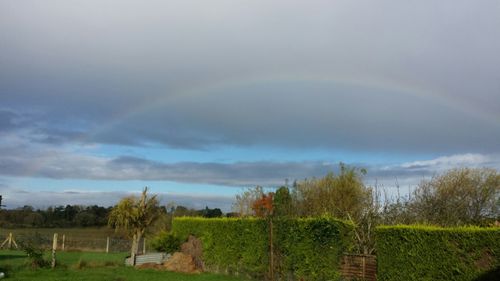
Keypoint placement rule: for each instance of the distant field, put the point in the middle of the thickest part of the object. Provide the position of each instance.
(101, 232)
(79, 266)
(88, 239)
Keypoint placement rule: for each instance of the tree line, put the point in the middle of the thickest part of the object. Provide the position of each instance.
(87, 216)
(457, 197)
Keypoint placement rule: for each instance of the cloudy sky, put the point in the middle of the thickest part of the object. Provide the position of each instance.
(199, 99)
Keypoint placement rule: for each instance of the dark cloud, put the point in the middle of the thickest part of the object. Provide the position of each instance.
(338, 75)
(310, 114)
(9, 120)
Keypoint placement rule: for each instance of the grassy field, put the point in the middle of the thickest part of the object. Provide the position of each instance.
(79, 266)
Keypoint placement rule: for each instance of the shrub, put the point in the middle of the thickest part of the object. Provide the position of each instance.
(32, 246)
(166, 242)
(432, 253)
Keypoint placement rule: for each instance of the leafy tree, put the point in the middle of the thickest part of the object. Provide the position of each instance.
(458, 197)
(33, 220)
(135, 215)
(283, 204)
(263, 207)
(244, 201)
(342, 196)
(85, 219)
(211, 213)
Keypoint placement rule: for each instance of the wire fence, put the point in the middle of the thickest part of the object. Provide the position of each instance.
(71, 240)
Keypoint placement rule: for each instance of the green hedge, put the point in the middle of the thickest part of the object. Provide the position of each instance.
(311, 249)
(432, 253)
(308, 249)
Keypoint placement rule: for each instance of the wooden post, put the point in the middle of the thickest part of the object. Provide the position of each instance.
(9, 241)
(63, 241)
(144, 246)
(107, 245)
(364, 267)
(54, 248)
(271, 256)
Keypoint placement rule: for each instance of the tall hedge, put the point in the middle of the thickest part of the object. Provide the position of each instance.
(308, 249)
(432, 253)
(229, 245)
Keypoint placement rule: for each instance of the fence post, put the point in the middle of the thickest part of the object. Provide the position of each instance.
(63, 241)
(144, 246)
(54, 247)
(9, 241)
(107, 245)
(271, 250)
(364, 267)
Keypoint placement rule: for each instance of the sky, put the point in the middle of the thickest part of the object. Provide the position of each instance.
(199, 100)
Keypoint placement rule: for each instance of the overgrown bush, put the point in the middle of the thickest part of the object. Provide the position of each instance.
(432, 253)
(166, 242)
(308, 249)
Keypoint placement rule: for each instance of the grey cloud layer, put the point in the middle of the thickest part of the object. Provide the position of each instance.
(344, 75)
(47, 162)
(270, 174)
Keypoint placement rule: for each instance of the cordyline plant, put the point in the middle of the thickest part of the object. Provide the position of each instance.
(135, 215)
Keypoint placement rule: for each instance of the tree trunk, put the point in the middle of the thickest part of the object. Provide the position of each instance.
(133, 250)
(135, 244)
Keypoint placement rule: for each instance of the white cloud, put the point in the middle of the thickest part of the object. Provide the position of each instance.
(453, 161)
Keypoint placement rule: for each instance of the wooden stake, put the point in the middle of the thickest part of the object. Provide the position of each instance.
(364, 266)
(63, 241)
(54, 248)
(107, 245)
(5, 241)
(9, 241)
(271, 256)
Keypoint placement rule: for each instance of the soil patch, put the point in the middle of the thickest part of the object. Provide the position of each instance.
(193, 247)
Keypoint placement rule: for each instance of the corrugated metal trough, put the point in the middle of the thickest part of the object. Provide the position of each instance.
(157, 258)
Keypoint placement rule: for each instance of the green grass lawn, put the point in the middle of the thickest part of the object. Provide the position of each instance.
(76, 266)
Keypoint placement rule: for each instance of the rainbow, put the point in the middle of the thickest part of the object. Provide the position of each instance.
(380, 84)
